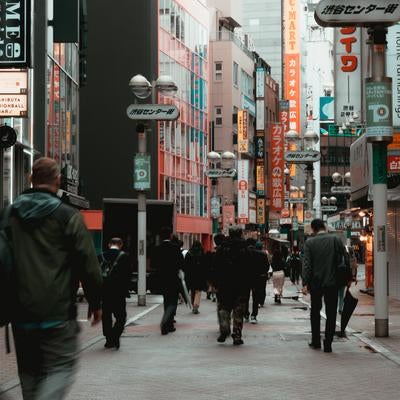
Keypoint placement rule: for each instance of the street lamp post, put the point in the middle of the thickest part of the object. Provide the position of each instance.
(142, 89)
(345, 189)
(328, 204)
(214, 174)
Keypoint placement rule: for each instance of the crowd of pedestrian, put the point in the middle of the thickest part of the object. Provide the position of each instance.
(46, 250)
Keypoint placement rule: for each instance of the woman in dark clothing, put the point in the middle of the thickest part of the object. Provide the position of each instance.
(196, 273)
(278, 265)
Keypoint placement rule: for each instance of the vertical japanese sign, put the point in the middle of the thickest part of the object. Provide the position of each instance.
(284, 114)
(393, 69)
(228, 217)
(292, 63)
(260, 180)
(243, 138)
(261, 211)
(347, 73)
(260, 82)
(15, 30)
(277, 167)
(243, 191)
(260, 102)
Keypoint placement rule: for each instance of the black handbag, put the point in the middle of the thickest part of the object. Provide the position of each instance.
(344, 274)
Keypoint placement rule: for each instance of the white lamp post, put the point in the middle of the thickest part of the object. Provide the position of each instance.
(142, 89)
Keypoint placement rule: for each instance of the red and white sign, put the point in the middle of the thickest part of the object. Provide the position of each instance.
(347, 73)
(393, 164)
(277, 167)
(243, 191)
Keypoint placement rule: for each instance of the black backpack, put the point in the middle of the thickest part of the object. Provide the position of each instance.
(107, 266)
(7, 282)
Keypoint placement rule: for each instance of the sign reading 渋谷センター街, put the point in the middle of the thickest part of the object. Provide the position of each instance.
(15, 33)
(347, 73)
(277, 168)
(357, 12)
(243, 191)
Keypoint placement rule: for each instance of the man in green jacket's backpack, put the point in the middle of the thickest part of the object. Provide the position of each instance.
(52, 251)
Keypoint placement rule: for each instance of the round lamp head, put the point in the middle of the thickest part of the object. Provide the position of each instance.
(302, 189)
(294, 189)
(332, 200)
(140, 86)
(228, 155)
(311, 138)
(336, 177)
(286, 171)
(347, 177)
(166, 85)
(324, 200)
(292, 136)
(213, 156)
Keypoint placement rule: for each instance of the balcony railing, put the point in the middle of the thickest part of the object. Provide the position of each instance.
(227, 36)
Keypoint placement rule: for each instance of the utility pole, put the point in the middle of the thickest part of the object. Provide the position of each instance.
(380, 137)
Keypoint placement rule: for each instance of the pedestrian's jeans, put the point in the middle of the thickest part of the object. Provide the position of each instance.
(235, 305)
(46, 360)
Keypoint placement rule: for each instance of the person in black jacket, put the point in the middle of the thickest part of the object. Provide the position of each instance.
(259, 263)
(167, 260)
(195, 269)
(233, 283)
(116, 279)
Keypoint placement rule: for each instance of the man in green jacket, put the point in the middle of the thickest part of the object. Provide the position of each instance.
(52, 252)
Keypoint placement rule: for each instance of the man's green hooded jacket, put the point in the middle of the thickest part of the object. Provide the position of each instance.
(52, 251)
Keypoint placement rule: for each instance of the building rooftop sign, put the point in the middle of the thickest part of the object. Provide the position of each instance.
(344, 13)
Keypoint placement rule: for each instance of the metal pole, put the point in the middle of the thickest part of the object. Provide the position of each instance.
(141, 244)
(349, 222)
(380, 199)
(309, 186)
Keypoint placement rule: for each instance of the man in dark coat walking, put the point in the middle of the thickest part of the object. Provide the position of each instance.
(116, 279)
(233, 284)
(321, 259)
(167, 260)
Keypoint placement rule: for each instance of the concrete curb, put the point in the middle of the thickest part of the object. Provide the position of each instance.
(375, 346)
(15, 382)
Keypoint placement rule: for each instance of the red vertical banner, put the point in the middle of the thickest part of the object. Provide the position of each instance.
(277, 167)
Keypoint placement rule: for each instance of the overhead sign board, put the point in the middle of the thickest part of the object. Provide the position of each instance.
(13, 93)
(357, 12)
(220, 173)
(158, 112)
(302, 157)
(341, 189)
(15, 33)
(329, 208)
(298, 200)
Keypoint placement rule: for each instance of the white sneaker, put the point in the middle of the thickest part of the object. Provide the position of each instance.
(253, 320)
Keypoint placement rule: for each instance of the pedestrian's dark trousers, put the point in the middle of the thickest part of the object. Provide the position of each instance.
(262, 290)
(113, 306)
(330, 295)
(170, 305)
(255, 294)
(235, 305)
(46, 360)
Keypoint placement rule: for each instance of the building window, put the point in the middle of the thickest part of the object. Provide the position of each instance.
(218, 71)
(218, 116)
(235, 73)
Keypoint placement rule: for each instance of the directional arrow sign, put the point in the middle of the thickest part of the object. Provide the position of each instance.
(302, 157)
(340, 189)
(158, 112)
(338, 13)
(328, 208)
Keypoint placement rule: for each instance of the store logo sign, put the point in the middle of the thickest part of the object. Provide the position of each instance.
(14, 33)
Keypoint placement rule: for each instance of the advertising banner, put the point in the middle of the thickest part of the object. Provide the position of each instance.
(326, 108)
(243, 135)
(261, 211)
(260, 116)
(228, 217)
(393, 164)
(252, 208)
(277, 168)
(393, 69)
(260, 179)
(347, 73)
(378, 97)
(15, 33)
(142, 172)
(284, 114)
(260, 83)
(243, 191)
(13, 93)
(260, 148)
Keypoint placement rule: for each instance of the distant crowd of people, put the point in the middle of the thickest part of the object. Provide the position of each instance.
(46, 250)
